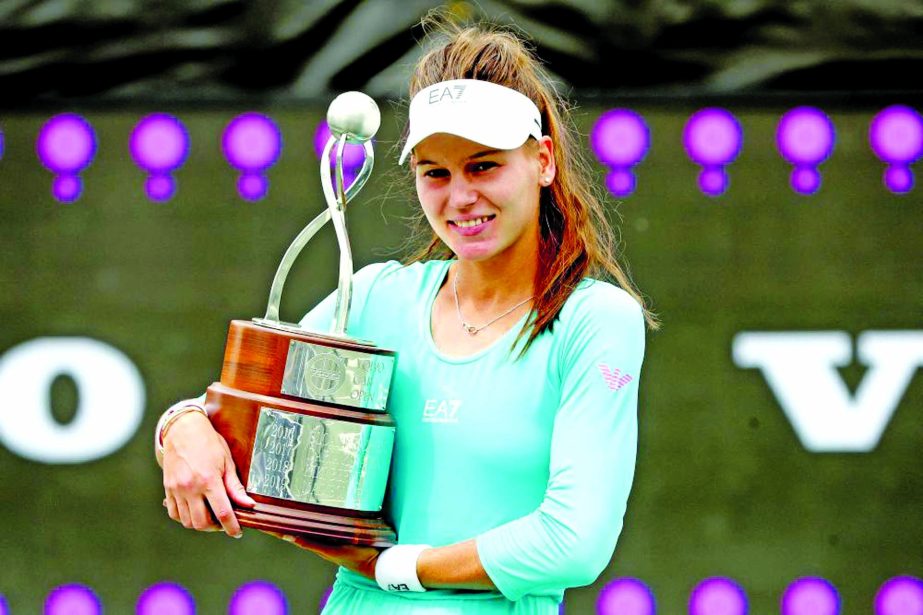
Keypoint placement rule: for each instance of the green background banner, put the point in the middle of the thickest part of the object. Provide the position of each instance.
(724, 485)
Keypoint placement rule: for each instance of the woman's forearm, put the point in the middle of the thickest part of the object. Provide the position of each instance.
(454, 566)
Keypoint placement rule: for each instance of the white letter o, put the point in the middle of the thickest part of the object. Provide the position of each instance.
(110, 395)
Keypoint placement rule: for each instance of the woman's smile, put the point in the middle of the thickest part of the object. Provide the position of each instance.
(468, 227)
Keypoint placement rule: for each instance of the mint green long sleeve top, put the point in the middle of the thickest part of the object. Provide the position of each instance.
(532, 457)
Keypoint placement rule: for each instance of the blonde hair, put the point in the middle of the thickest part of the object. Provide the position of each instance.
(576, 239)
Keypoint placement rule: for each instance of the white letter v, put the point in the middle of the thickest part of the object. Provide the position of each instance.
(800, 368)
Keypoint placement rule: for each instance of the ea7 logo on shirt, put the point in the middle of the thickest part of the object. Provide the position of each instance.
(441, 410)
(615, 380)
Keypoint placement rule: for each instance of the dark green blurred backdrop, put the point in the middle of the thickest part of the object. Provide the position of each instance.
(723, 486)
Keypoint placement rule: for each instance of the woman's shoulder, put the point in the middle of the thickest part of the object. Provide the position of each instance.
(395, 276)
(397, 268)
(371, 272)
(599, 316)
(594, 299)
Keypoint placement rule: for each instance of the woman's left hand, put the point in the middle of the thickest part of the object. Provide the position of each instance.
(356, 558)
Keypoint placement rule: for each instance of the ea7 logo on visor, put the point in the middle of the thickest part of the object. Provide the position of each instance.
(440, 93)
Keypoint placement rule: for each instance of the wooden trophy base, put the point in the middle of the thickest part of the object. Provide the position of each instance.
(316, 470)
(320, 527)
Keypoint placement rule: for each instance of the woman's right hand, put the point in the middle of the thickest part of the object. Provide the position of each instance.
(198, 474)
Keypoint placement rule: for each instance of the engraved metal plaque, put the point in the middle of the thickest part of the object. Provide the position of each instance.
(322, 461)
(337, 375)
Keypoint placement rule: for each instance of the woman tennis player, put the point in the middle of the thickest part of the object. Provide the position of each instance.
(515, 395)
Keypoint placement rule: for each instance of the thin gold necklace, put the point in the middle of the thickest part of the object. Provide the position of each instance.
(471, 329)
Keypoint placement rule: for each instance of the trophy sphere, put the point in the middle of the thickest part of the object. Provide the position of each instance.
(355, 115)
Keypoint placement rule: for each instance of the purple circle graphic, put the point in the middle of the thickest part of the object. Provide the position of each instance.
(810, 596)
(251, 142)
(805, 136)
(898, 179)
(67, 188)
(896, 135)
(713, 181)
(805, 180)
(620, 138)
(4, 607)
(72, 600)
(353, 154)
(900, 596)
(159, 143)
(713, 137)
(718, 596)
(621, 182)
(165, 599)
(66, 144)
(252, 186)
(1, 156)
(258, 598)
(160, 188)
(626, 596)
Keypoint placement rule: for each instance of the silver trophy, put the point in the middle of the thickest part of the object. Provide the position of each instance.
(304, 412)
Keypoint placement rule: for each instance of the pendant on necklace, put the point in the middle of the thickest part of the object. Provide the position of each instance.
(472, 330)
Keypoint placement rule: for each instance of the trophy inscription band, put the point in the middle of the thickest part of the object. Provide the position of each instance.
(337, 375)
(315, 460)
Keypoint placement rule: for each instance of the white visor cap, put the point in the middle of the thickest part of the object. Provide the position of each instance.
(480, 111)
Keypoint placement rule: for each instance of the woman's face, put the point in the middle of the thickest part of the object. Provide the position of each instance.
(482, 202)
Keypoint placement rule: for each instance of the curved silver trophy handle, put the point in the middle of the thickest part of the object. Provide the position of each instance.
(302, 239)
(338, 215)
(353, 117)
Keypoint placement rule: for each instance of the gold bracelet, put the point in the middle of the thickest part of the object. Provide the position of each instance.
(173, 413)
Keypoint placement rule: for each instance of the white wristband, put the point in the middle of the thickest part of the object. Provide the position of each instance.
(396, 568)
